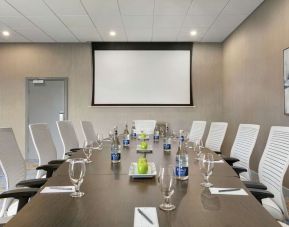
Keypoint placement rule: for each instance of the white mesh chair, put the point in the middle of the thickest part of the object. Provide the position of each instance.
(197, 130)
(68, 136)
(216, 136)
(88, 131)
(148, 126)
(243, 147)
(272, 168)
(14, 169)
(44, 145)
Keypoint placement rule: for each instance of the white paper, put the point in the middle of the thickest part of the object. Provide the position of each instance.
(58, 189)
(141, 221)
(215, 191)
(219, 161)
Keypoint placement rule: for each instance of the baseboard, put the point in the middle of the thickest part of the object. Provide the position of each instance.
(255, 177)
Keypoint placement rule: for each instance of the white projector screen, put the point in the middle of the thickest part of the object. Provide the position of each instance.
(142, 77)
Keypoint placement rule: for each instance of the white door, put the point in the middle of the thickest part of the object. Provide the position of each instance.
(46, 103)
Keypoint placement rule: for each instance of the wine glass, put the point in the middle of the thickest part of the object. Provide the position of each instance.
(167, 186)
(198, 146)
(99, 139)
(87, 150)
(206, 163)
(76, 171)
(174, 135)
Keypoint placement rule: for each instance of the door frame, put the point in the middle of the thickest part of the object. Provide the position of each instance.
(27, 79)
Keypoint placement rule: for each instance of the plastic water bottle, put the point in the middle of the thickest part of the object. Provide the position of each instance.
(156, 134)
(115, 148)
(125, 141)
(182, 163)
(133, 131)
(167, 144)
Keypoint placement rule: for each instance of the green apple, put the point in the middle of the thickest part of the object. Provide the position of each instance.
(142, 165)
(143, 136)
(143, 145)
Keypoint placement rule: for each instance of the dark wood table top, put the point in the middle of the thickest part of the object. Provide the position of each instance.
(111, 196)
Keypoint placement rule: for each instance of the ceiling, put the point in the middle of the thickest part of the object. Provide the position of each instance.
(131, 20)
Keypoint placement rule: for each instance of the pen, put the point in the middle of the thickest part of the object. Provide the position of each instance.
(229, 190)
(60, 188)
(144, 215)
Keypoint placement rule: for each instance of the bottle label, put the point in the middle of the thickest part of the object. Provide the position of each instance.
(125, 142)
(115, 156)
(134, 135)
(156, 137)
(167, 146)
(182, 171)
(182, 138)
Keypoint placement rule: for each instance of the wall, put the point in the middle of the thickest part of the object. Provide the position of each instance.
(253, 74)
(18, 61)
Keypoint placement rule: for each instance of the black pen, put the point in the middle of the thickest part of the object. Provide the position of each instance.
(229, 190)
(144, 215)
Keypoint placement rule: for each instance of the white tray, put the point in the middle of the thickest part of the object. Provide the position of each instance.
(133, 172)
(148, 150)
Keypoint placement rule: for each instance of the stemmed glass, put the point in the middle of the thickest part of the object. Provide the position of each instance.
(206, 163)
(87, 150)
(198, 146)
(99, 139)
(167, 183)
(76, 173)
(174, 135)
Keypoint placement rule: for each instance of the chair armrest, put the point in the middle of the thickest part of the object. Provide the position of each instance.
(22, 194)
(75, 149)
(48, 168)
(239, 170)
(32, 183)
(58, 161)
(260, 194)
(230, 160)
(256, 185)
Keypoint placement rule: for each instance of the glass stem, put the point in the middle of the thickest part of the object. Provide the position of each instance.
(206, 178)
(167, 200)
(77, 188)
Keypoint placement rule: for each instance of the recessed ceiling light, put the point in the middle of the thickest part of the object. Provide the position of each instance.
(193, 33)
(112, 33)
(5, 33)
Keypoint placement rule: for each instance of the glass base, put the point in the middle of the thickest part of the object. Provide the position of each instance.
(77, 194)
(206, 184)
(167, 207)
(87, 161)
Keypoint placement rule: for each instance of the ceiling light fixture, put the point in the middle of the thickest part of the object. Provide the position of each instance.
(193, 33)
(112, 33)
(5, 33)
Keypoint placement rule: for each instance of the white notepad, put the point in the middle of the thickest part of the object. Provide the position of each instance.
(58, 189)
(215, 191)
(141, 221)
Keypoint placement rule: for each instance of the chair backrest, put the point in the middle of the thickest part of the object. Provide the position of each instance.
(43, 143)
(88, 131)
(197, 130)
(148, 126)
(11, 159)
(243, 147)
(274, 164)
(216, 135)
(67, 135)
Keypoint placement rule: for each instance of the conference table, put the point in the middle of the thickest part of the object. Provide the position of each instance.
(111, 196)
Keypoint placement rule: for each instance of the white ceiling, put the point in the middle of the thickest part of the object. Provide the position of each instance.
(132, 20)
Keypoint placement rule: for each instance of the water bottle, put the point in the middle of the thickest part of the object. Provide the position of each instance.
(125, 141)
(181, 135)
(156, 134)
(167, 144)
(133, 131)
(115, 148)
(182, 163)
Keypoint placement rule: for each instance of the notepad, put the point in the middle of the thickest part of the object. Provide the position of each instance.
(141, 221)
(58, 189)
(215, 191)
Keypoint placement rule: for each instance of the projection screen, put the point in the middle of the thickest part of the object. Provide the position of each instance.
(142, 76)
